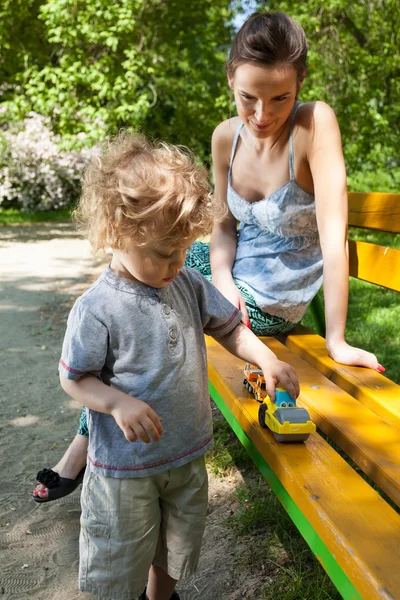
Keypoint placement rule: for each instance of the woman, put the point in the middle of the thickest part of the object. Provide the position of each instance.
(279, 169)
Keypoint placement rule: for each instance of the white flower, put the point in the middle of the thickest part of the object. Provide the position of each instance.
(34, 171)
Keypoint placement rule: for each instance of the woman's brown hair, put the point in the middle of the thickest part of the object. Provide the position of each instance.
(270, 39)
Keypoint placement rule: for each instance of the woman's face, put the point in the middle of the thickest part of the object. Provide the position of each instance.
(264, 96)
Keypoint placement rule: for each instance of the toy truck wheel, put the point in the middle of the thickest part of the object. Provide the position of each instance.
(261, 415)
(293, 415)
(290, 437)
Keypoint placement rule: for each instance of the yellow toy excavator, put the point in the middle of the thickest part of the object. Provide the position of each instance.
(287, 421)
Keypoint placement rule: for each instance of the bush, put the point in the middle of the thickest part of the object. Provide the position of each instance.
(375, 181)
(35, 173)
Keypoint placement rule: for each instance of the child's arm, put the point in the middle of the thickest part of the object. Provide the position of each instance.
(134, 417)
(222, 321)
(242, 342)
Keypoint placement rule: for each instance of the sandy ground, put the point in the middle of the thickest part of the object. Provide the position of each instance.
(42, 269)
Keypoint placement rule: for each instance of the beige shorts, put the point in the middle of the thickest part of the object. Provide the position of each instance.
(129, 524)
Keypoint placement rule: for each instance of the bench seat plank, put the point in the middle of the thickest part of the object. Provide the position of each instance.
(374, 263)
(375, 210)
(344, 511)
(365, 437)
(378, 393)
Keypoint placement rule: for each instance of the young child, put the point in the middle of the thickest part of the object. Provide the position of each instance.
(134, 354)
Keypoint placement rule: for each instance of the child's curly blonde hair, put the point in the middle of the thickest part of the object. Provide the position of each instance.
(138, 191)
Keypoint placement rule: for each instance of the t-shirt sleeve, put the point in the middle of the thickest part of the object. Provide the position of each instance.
(219, 316)
(85, 344)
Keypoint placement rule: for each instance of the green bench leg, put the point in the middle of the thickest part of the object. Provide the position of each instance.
(322, 553)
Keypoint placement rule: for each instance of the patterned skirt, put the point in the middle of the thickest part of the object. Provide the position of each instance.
(261, 322)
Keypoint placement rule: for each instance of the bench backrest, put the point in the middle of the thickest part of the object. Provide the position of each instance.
(372, 262)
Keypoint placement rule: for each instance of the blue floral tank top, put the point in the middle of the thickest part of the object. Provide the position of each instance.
(278, 257)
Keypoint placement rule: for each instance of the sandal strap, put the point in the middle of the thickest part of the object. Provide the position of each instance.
(48, 477)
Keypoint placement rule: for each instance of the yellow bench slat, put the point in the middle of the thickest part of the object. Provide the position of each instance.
(378, 393)
(368, 439)
(376, 264)
(375, 210)
(360, 529)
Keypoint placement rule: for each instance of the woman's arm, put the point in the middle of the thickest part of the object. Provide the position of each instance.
(224, 235)
(327, 167)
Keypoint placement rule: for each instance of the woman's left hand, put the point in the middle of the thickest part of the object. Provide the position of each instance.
(345, 354)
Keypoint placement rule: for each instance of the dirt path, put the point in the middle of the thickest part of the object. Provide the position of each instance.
(42, 269)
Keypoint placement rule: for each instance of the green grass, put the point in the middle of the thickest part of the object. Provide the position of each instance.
(373, 320)
(271, 548)
(227, 455)
(12, 216)
(374, 324)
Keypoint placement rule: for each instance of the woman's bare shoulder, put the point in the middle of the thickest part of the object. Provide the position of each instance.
(222, 138)
(312, 115)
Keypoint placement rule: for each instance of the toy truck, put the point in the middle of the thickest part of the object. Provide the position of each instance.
(287, 421)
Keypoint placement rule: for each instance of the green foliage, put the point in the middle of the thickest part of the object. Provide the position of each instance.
(354, 66)
(13, 216)
(153, 65)
(22, 39)
(158, 65)
(375, 181)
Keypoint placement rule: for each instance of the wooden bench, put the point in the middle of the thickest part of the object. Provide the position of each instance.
(351, 528)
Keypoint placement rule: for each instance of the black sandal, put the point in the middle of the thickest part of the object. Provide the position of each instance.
(58, 486)
(175, 595)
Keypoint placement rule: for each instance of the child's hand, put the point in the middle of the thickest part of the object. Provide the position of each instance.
(137, 420)
(242, 342)
(278, 373)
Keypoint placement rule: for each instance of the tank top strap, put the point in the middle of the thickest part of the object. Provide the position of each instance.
(291, 154)
(235, 141)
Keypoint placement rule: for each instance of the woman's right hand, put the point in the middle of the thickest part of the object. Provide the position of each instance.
(228, 288)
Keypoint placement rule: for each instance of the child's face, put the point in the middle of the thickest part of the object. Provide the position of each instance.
(155, 264)
(264, 96)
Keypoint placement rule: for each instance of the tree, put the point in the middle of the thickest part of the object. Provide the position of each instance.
(22, 39)
(153, 65)
(158, 66)
(354, 65)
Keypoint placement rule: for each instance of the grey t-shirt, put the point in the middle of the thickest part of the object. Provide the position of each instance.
(149, 343)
